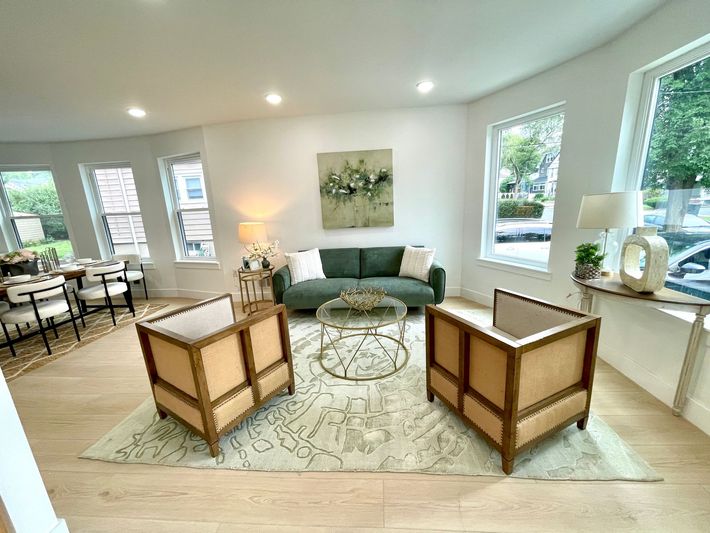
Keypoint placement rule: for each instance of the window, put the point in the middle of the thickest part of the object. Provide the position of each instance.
(191, 212)
(35, 215)
(672, 166)
(118, 207)
(193, 186)
(522, 184)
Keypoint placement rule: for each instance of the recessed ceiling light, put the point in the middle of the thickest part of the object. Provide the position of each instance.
(273, 98)
(136, 112)
(425, 86)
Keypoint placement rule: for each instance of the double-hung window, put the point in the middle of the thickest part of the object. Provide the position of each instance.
(191, 212)
(522, 184)
(118, 207)
(31, 211)
(671, 165)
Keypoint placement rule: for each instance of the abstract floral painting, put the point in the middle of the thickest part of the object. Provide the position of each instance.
(356, 189)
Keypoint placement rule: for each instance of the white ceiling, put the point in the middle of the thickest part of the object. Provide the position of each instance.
(70, 68)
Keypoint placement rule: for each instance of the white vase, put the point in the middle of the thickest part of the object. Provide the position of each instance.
(653, 276)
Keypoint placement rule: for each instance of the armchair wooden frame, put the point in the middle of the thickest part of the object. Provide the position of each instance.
(196, 349)
(559, 407)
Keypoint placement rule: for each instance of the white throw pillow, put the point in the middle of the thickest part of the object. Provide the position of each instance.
(305, 266)
(416, 262)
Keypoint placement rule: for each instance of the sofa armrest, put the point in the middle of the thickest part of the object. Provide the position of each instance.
(437, 280)
(282, 281)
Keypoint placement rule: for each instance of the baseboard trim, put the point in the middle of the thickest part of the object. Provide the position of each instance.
(452, 291)
(694, 412)
(478, 297)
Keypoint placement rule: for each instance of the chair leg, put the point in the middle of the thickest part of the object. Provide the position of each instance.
(54, 327)
(81, 313)
(110, 306)
(429, 395)
(145, 288)
(582, 422)
(214, 448)
(9, 340)
(507, 465)
(73, 321)
(18, 329)
(129, 300)
(44, 337)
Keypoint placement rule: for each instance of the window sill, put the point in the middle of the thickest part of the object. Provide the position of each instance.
(515, 268)
(198, 264)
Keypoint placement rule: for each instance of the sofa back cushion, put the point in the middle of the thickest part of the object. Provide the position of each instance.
(381, 261)
(341, 262)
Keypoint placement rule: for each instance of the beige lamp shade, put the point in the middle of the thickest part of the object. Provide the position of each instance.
(251, 232)
(610, 210)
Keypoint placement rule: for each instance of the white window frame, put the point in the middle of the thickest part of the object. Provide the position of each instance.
(175, 209)
(101, 224)
(490, 192)
(8, 229)
(646, 108)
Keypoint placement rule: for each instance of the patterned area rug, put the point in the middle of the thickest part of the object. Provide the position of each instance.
(374, 426)
(32, 354)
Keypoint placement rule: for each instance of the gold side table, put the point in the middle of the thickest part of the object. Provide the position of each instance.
(250, 283)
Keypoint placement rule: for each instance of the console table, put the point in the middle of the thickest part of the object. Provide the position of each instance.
(613, 289)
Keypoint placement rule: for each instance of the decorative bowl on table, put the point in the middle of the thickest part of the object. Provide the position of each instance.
(363, 299)
(18, 279)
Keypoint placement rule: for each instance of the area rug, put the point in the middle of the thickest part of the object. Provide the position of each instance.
(32, 354)
(376, 426)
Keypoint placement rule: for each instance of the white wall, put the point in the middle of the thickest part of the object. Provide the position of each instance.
(21, 486)
(645, 344)
(266, 170)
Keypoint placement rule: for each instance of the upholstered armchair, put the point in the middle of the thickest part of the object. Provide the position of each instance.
(210, 371)
(519, 381)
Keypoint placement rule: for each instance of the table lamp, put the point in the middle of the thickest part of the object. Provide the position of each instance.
(608, 211)
(252, 232)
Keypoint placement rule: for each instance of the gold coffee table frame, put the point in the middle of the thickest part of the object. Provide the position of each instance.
(363, 324)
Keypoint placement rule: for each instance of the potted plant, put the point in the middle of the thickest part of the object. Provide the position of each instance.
(588, 261)
(263, 251)
(19, 262)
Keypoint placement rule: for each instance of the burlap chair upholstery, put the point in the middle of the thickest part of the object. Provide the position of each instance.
(210, 371)
(524, 378)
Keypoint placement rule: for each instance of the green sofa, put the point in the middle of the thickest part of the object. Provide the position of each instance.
(360, 267)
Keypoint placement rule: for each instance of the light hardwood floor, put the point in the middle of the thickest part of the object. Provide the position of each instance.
(67, 405)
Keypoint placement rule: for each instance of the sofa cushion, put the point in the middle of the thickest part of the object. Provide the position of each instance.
(380, 261)
(412, 292)
(311, 294)
(341, 262)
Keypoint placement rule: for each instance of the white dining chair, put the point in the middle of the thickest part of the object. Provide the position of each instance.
(36, 304)
(134, 269)
(107, 287)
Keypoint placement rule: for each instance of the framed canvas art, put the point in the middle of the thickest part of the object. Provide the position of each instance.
(356, 189)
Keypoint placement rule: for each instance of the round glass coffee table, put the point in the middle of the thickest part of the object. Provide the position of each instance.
(363, 345)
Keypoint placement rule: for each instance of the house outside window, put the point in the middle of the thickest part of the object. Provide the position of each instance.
(117, 205)
(671, 166)
(32, 214)
(190, 208)
(522, 185)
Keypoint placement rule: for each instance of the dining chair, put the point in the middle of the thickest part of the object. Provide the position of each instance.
(37, 305)
(107, 287)
(134, 269)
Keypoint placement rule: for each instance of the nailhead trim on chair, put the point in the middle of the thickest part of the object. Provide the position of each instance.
(214, 415)
(537, 413)
(500, 436)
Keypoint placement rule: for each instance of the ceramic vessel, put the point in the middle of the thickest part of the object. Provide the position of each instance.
(653, 276)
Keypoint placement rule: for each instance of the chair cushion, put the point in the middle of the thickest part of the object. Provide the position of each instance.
(25, 313)
(96, 292)
(134, 275)
(4, 306)
(380, 261)
(311, 294)
(341, 262)
(412, 292)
